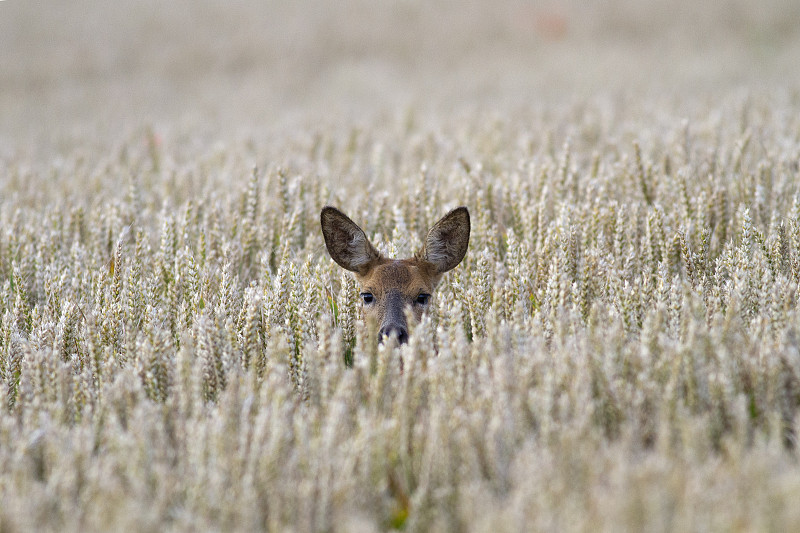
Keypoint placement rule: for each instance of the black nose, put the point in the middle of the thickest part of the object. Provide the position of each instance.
(399, 331)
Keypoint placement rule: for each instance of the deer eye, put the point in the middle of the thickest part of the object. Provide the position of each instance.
(422, 299)
(367, 297)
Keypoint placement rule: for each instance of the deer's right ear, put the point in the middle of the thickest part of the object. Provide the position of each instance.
(447, 241)
(346, 242)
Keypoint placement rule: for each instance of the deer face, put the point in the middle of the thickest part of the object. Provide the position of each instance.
(389, 287)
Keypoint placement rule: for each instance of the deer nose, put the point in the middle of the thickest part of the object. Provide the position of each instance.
(399, 331)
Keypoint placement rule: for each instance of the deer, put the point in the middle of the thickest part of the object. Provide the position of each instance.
(391, 287)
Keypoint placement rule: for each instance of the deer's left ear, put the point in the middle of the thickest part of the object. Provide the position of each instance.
(447, 241)
(346, 242)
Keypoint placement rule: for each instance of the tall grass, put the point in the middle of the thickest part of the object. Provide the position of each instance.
(618, 351)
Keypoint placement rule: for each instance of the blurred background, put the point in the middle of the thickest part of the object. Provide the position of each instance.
(92, 64)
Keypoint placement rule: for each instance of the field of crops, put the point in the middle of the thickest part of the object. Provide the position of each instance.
(618, 351)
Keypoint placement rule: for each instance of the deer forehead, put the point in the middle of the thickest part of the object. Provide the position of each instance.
(405, 275)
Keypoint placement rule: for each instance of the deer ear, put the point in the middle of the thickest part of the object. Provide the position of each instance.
(346, 242)
(447, 241)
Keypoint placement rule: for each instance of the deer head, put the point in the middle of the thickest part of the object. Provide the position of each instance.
(390, 286)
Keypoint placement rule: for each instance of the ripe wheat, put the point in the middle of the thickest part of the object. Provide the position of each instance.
(619, 350)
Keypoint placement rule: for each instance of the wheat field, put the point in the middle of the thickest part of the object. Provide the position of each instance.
(619, 350)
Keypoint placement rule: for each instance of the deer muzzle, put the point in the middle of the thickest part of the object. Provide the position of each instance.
(394, 318)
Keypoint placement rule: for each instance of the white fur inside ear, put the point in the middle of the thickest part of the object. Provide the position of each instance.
(358, 249)
(437, 252)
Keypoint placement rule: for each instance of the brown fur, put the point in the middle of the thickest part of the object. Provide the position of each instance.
(396, 284)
